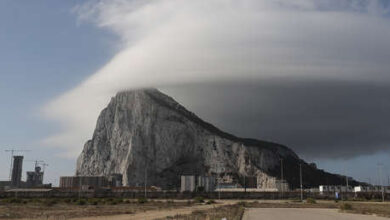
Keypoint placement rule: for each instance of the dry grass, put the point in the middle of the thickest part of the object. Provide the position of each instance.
(290, 204)
(68, 208)
(231, 212)
(367, 208)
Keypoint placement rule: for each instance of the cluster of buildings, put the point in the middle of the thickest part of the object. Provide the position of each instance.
(91, 182)
(34, 179)
(357, 189)
(189, 183)
(228, 183)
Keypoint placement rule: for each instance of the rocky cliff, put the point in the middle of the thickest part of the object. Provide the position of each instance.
(147, 133)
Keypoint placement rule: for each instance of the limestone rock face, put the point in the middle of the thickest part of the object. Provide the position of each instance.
(145, 133)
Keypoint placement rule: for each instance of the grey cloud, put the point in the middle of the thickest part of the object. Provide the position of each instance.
(185, 41)
(318, 119)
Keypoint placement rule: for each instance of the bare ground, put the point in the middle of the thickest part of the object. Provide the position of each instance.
(128, 209)
(298, 214)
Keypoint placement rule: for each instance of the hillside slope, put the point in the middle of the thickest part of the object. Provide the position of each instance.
(146, 131)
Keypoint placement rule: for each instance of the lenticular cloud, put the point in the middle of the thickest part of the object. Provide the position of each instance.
(169, 42)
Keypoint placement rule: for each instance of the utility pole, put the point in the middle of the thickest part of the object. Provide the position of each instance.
(146, 178)
(281, 168)
(80, 178)
(145, 152)
(380, 167)
(219, 169)
(346, 179)
(300, 179)
(281, 176)
(244, 183)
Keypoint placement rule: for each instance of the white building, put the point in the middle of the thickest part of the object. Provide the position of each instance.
(282, 186)
(332, 189)
(372, 189)
(207, 182)
(193, 183)
(187, 184)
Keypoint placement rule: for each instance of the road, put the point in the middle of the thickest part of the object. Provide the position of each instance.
(303, 214)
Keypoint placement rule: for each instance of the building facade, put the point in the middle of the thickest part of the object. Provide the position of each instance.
(16, 177)
(115, 180)
(83, 181)
(197, 183)
(34, 178)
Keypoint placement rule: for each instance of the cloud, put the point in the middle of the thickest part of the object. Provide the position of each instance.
(319, 119)
(183, 41)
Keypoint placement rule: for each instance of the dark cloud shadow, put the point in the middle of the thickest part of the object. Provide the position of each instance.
(317, 119)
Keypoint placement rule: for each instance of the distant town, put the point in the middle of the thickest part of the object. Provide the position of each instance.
(224, 186)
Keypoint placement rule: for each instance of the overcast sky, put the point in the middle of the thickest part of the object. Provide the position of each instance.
(313, 75)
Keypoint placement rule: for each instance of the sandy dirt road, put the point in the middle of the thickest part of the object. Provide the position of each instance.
(303, 214)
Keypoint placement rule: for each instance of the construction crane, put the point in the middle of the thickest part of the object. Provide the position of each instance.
(43, 164)
(12, 154)
(39, 162)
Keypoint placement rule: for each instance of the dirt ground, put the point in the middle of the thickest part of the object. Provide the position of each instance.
(65, 210)
(167, 209)
(299, 213)
(157, 214)
(112, 210)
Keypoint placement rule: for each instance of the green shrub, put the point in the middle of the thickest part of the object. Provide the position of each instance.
(81, 202)
(311, 201)
(346, 206)
(93, 201)
(242, 203)
(15, 200)
(200, 189)
(108, 200)
(50, 202)
(36, 200)
(142, 200)
(118, 200)
(199, 199)
(211, 201)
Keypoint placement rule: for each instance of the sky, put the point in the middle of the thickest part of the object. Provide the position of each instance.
(312, 75)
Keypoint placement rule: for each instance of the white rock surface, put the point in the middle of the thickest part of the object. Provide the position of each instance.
(145, 131)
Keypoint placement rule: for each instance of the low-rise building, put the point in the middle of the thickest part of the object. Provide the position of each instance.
(4, 185)
(371, 189)
(332, 189)
(207, 183)
(282, 185)
(115, 180)
(193, 183)
(34, 178)
(187, 184)
(83, 181)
